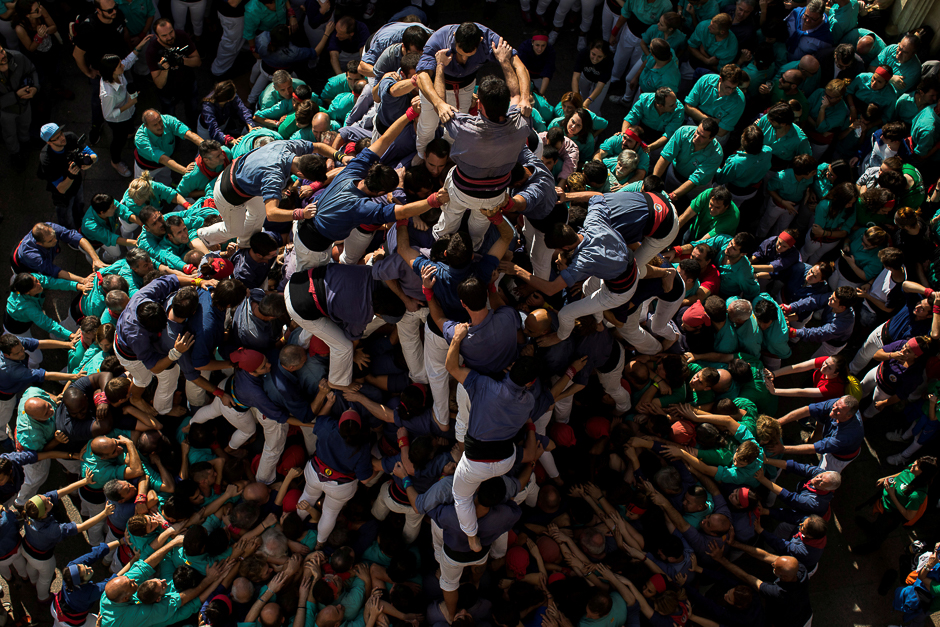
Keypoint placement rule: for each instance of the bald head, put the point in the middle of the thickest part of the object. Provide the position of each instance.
(292, 357)
(538, 323)
(101, 445)
(809, 64)
(321, 122)
(38, 409)
(75, 401)
(793, 76)
(243, 590)
(787, 568)
(256, 492)
(865, 44)
(329, 616)
(120, 589)
(271, 615)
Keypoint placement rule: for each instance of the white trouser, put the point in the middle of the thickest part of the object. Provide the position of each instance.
(409, 336)
(827, 349)
(334, 495)
(870, 386)
(128, 229)
(275, 435)
(539, 254)
(6, 412)
(166, 382)
(34, 475)
(108, 254)
(90, 621)
(14, 562)
(341, 348)
(463, 413)
(452, 571)
(628, 52)
(40, 573)
(540, 8)
(597, 299)
(608, 19)
(467, 479)
(814, 251)
(547, 459)
(355, 246)
(240, 221)
(652, 246)
(196, 10)
(643, 340)
(563, 407)
(195, 395)
(243, 421)
(428, 121)
(673, 182)
(163, 174)
(306, 258)
(610, 381)
(564, 6)
(818, 150)
(775, 219)
(230, 44)
(385, 504)
(872, 345)
(314, 35)
(831, 462)
(452, 212)
(96, 533)
(586, 88)
(435, 354)
(259, 81)
(837, 280)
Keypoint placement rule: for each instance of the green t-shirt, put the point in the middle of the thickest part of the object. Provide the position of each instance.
(909, 498)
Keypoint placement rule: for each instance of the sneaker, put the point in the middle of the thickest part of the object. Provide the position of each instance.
(582, 43)
(896, 460)
(121, 169)
(542, 20)
(526, 16)
(369, 12)
(553, 37)
(895, 436)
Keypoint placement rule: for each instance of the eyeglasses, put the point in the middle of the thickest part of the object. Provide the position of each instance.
(109, 11)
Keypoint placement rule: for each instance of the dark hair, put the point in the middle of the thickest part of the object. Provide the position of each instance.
(710, 126)
(195, 539)
(847, 296)
(229, 293)
(23, 282)
(803, 165)
(652, 183)
(492, 492)
(459, 250)
(313, 168)
(473, 293)
(208, 146)
(660, 95)
(524, 370)
(842, 198)
(107, 66)
(468, 36)
(752, 140)
(781, 113)
(415, 37)
(587, 126)
(595, 172)
(928, 470)
(746, 241)
(381, 179)
(494, 96)
(765, 311)
(152, 316)
(222, 92)
(185, 302)
(722, 194)
(733, 74)
(385, 302)
(660, 49)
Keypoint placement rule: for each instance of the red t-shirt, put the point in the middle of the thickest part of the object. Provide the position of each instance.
(831, 388)
(710, 279)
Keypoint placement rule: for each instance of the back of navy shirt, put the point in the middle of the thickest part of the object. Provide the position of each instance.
(490, 346)
(265, 171)
(539, 190)
(343, 207)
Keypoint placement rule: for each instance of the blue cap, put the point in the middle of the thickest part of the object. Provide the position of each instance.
(49, 130)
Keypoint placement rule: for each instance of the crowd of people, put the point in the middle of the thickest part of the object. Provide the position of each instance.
(422, 347)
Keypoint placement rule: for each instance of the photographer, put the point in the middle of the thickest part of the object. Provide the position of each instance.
(19, 83)
(170, 58)
(62, 162)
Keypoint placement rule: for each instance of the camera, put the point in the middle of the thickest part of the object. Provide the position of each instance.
(28, 82)
(174, 57)
(77, 156)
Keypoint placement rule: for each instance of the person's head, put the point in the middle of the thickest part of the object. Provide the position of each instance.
(153, 121)
(844, 409)
(473, 294)
(110, 68)
(880, 77)
(222, 93)
(741, 244)
(695, 499)
(661, 50)
(720, 25)
(165, 33)
(665, 99)
(814, 15)
(596, 173)
(103, 205)
(570, 102)
(907, 48)
(787, 568)
(790, 81)
(704, 379)
(599, 605)
(345, 28)
(494, 98)
(459, 250)
(739, 597)
(808, 65)
(842, 198)
(730, 78)
(250, 361)
(706, 131)
(438, 152)
(106, 10)
(414, 38)
(719, 201)
(875, 237)
(781, 116)
(524, 371)
(669, 22)
(211, 153)
(786, 240)
(578, 125)
(844, 56)
(283, 83)
(467, 40)
(752, 140)
(843, 298)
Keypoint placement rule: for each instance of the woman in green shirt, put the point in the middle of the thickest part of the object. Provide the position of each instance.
(786, 140)
(898, 503)
(828, 116)
(144, 191)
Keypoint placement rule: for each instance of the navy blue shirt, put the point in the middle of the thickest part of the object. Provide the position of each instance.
(208, 327)
(767, 255)
(250, 272)
(490, 346)
(9, 489)
(43, 535)
(266, 171)
(333, 451)
(84, 597)
(16, 375)
(490, 527)
(251, 331)
(448, 278)
(842, 440)
(9, 533)
(498, 409)
(804, 499)
(247, 391)
(539, 189)
(902, 325)
(284, 388)
(131, 339)
(31, 257)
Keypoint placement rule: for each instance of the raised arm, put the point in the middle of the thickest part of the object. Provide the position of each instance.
(453, 354)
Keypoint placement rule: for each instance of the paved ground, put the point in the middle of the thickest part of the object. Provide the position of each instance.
(844, 589)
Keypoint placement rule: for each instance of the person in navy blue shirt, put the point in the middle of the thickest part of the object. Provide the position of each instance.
(79, 594)
(11, 554)
(37, 251)
(285, 388)
(838, 323)
(811, 497)
(342, 460)
(43, 532)
(449, 273)
(838, 435)
(806, 545)
(252, 264)
(255, 322)
(804, 281)
(356, 197)
(498, 410)
(532, 186)
(336, 303)
(249, 189)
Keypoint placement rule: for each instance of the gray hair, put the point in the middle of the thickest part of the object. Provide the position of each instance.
(739, 310)
(831, 479)
(627, 160)
(668, 480)
(273, 543)
(816, 6)
(851, 402)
